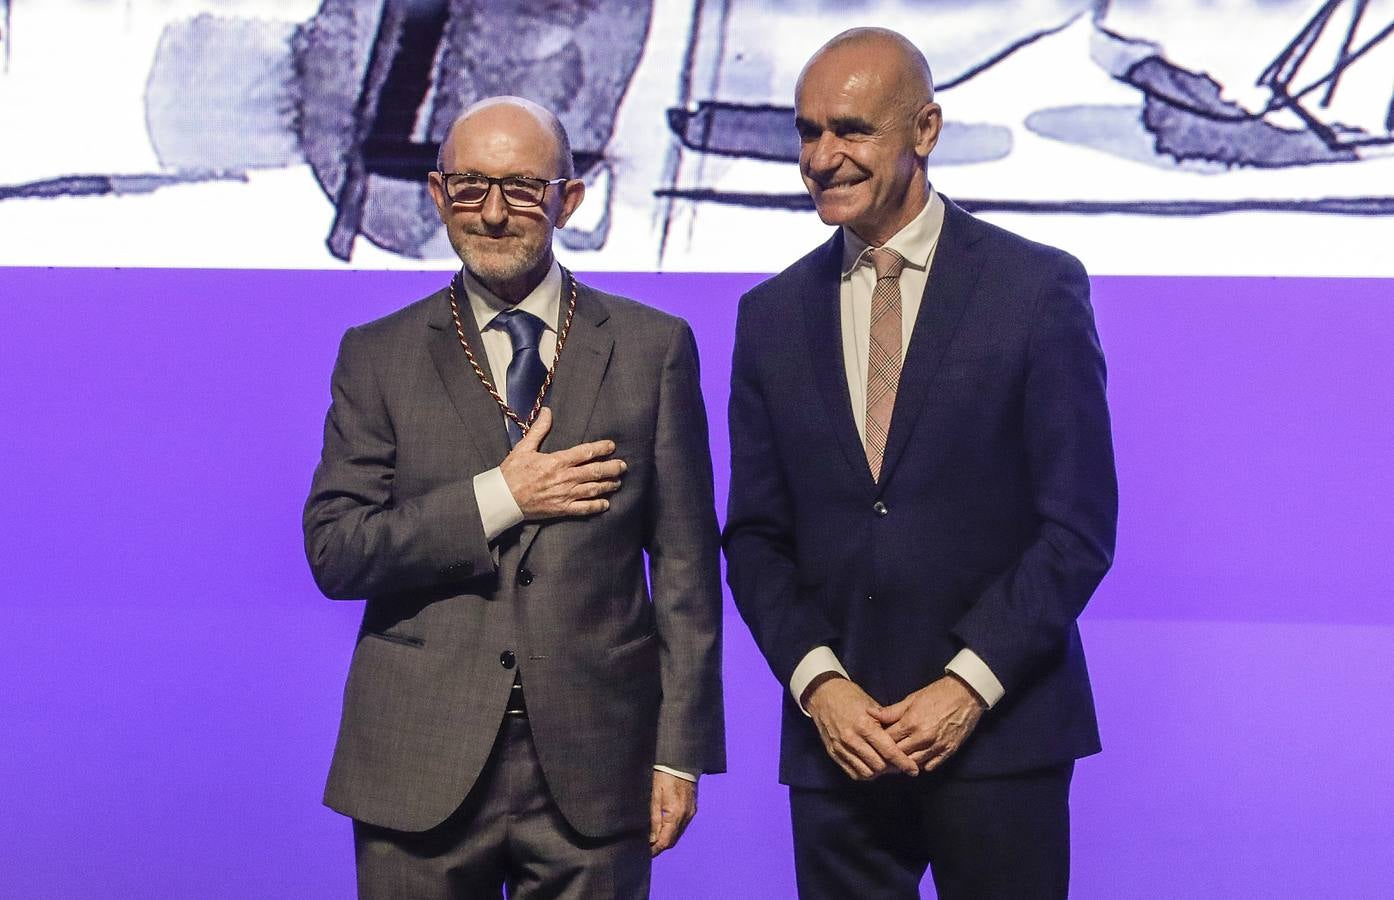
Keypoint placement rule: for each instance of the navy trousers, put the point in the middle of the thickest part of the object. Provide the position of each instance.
(981, 838)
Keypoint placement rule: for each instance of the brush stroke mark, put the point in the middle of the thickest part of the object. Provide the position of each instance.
(697, 28)
(1184, 113)
(106, 185)
(401, 31)
(766, 132)
(575, 57)
(1282, 73)
(1182, 123)
(5, 35)
(1358, 206)
(599, 179)
(995, 58)
(1115, 130)
(1190, 119)
(364, 92)
(220, 96)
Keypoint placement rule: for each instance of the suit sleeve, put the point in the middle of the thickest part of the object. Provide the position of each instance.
(761, 565)
(684, 569)
(360, 539)
(1023, 618)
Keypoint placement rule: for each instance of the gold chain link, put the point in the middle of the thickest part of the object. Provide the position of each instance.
(489, 384)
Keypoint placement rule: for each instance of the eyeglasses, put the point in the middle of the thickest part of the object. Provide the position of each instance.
(518, 191)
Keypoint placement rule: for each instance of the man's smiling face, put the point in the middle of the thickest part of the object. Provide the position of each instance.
(508, 248)
(497, 242)
(863, 137)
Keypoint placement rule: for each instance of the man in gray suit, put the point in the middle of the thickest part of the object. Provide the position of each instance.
(529, 704)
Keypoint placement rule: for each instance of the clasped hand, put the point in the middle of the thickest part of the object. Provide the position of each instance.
(868, 740)
(570, 482)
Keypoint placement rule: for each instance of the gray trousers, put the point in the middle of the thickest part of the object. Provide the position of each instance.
(508, 835)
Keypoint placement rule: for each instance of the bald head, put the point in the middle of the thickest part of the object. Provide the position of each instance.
(514, 119)
(878, 56)
(505, 237)
(867, 122)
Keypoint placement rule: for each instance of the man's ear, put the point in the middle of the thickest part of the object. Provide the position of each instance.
(572, 193)
(928, 122)
(437, 189)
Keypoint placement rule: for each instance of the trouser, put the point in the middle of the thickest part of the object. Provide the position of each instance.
(981, 838)
(508, 834)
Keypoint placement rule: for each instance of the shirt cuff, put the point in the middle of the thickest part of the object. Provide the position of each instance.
(816, 662)
(677, 773)
(971, 669)
(498, 511)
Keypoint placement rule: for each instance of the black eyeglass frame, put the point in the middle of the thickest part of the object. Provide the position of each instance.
(501, 182)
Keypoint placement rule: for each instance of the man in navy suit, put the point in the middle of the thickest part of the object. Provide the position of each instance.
(922, 501)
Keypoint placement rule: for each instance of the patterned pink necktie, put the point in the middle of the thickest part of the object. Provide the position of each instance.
(883, 360)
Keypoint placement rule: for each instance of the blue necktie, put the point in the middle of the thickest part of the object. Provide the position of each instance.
(526, 372)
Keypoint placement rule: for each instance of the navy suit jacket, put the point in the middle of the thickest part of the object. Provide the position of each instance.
(993, 520)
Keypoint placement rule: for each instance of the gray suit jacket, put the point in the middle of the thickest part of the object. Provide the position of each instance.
(620, 670)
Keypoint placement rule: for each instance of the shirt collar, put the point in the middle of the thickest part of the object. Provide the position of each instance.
(544, 301)
(915, 242)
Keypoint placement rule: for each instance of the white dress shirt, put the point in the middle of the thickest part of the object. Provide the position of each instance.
(916, 242)
(498, 511)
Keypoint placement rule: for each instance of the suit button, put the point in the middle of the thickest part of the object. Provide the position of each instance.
(879, 508)
(507, 659)
(525, 577)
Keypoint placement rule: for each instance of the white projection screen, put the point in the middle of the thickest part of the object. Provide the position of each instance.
(1184, 137)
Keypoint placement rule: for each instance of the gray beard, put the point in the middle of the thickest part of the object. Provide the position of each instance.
(498, 268)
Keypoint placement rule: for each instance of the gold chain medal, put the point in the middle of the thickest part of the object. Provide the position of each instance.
(487, 382)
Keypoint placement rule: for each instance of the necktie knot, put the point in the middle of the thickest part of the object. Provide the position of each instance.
(888, 263)
(524, 329)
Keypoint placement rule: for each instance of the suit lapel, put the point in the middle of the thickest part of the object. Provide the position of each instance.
(821, 293)
(952, 278)
(471, 401)
(576, 384)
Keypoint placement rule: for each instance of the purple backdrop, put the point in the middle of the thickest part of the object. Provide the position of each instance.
(172, 678)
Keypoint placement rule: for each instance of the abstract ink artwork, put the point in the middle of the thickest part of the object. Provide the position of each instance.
(299, 133)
